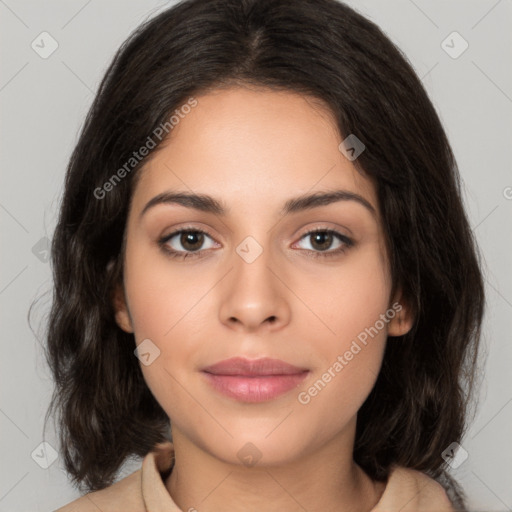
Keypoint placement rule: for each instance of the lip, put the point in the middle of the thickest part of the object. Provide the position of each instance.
(253, 367)
(254, 380)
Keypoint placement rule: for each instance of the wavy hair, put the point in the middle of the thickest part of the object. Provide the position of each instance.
(326, 50)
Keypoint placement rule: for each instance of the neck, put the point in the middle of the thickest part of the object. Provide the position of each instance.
(327, 480)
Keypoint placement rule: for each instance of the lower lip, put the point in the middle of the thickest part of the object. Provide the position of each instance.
(254, 389)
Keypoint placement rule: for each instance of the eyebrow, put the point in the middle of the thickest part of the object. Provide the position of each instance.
(209, 204)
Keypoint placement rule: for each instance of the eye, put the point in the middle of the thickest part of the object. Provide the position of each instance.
(323, 239)
(190, 240)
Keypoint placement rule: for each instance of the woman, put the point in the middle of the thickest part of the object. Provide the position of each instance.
(265, 280)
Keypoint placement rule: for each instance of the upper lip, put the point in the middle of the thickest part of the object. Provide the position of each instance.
(252, 367)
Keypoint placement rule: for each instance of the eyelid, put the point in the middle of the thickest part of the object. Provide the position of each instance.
(181, 229)
(345, 240)
(325, 227)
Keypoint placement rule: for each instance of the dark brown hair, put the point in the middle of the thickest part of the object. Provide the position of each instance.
(320, 48)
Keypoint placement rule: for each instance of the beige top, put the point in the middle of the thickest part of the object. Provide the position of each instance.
(407, 490)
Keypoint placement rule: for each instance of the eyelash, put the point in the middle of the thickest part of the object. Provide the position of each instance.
(348, 243)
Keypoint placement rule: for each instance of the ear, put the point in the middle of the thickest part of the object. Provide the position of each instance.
(403, 320)
(122, 314)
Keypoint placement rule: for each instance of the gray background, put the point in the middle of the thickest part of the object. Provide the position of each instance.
(43, 104)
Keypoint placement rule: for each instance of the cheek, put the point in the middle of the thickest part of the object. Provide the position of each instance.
(167, 306)
(346, 299)
(332, 398)
(163, 295)
(352, 304)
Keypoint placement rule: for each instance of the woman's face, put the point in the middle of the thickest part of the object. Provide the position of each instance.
(255, 284)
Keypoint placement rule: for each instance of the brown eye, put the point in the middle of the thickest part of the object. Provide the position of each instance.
(185, 243)
(321, 241)
(191, 240)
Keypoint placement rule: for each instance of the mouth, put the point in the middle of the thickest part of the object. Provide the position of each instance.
(253, 381)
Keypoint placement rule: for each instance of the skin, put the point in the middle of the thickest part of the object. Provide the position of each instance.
(253, 149)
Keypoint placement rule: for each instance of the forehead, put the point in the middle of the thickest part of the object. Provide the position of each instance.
(250, 146)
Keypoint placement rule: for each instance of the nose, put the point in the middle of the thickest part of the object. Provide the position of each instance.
(254, 297)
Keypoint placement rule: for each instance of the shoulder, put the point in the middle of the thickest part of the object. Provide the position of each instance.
(409, 490)
(123, 495)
